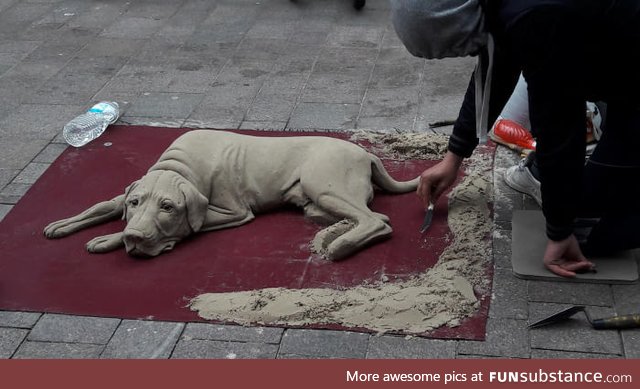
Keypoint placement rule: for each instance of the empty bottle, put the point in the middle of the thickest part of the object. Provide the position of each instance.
(91, 124)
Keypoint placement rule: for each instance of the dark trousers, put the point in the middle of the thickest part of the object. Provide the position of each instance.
(603, 67)
(609, 204)
(611, 183)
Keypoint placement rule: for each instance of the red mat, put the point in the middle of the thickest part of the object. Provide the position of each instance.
(59, 276)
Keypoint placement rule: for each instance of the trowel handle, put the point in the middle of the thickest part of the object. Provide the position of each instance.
(624, 321)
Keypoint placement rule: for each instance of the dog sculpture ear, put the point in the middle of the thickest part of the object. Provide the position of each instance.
(128, 190)
(196, 205)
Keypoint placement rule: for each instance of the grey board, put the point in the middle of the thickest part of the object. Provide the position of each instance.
(528, 244)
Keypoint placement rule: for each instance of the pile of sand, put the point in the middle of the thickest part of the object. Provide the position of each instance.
(443, 295)
(404, 145)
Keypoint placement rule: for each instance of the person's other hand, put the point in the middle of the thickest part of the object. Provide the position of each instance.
(565, 258)
(437, 179)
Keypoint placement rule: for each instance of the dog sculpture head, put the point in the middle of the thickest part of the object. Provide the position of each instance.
(161, 209)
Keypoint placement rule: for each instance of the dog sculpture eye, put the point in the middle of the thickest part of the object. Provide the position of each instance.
(167, 207)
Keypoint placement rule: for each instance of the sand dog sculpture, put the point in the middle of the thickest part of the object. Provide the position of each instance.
(209, 180)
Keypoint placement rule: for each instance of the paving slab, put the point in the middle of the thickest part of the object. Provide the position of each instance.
(264, 49)
(4, 210)
(571, 293)
(117, 47)
(501, 247)
(325, 343)
(400, 347)
(391, 102)
(331, 89)
(507, 338)
(7, 175)
(137, 339)
(509, 298)
(631, 340)
(626, 299)
(271, 107)
(552, 354)
(31, 173)
(191, 80)
(505, 204)
(22, 82)
(356, 36)
(19, 319)
(258, 125)
(386, 123)
(326, 116)
(232, 333)
(10, 339)
(25, 12)
(12, 193)
(210, 349)
(433, 109)
(132, 27)
(47, 350)
(165, 105)
(139, 78)
(69, 88)
(245, 73)
(99, 17)
(153, 10)
(393, 75)
(73, 329)
(18, 46)
(50, 153)
(39, 121)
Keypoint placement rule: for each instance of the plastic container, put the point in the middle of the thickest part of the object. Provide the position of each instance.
(91, 124)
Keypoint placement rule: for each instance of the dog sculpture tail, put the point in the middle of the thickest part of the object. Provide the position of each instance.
(381, 177)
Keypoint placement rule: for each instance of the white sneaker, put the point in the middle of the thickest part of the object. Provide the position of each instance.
(519, 177)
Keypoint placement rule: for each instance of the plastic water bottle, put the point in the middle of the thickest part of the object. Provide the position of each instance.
(91, 124)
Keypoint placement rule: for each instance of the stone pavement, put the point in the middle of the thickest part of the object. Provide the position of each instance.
(259, 64)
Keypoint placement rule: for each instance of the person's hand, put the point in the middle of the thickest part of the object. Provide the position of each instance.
(565, 258)
(437, 179)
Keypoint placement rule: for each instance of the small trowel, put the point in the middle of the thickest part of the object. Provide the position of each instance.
(428, 216)
(614, 322)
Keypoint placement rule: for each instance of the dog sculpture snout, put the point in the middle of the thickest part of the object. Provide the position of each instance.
(133, 236)
(137, 243)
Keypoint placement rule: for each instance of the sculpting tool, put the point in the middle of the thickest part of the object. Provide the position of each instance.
(427, 219)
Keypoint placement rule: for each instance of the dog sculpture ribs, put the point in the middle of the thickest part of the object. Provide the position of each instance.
(208, 180)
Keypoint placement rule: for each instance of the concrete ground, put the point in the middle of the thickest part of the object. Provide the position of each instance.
(258, 64)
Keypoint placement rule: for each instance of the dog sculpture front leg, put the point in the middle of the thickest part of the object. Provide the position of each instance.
(105, 243)
(218, 218)
(99, 213)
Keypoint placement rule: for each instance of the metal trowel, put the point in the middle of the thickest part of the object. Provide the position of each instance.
(614, 322)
